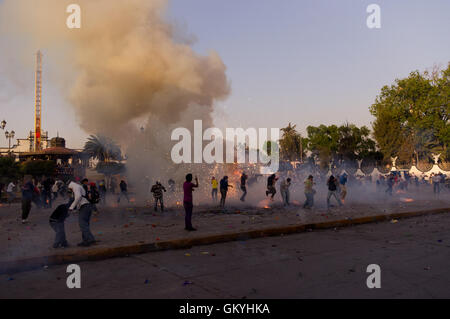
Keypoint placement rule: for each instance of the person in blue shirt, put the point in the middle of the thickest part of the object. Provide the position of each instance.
(343, 186)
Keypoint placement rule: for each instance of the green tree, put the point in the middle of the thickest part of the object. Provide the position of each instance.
(414, 110)
(38, 168)
(291, 143)
(9, 170)
(102, 148)
(344, 143)
(108, 154)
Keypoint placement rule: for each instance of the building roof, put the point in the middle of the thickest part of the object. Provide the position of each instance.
(53, 151)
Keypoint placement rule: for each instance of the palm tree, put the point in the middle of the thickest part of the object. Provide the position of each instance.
(102, 148)
(291, 143)
(107, 152)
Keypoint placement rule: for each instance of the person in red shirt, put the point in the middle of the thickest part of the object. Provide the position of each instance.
(188, 188)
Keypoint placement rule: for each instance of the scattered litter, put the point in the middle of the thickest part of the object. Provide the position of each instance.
(394, 221)
(204, 253)
(440, 241)
(45, 267)
(187, 282)
(10, 279)
(146, 282)
(100, 233)
(427, 268)
(213, 255)
(125, 226)
(187, 255)
(157, 238)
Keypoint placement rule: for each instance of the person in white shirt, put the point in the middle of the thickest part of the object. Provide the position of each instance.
(10, 192)
(84, 208)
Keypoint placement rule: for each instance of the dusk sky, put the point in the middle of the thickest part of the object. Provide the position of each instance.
(308, 62)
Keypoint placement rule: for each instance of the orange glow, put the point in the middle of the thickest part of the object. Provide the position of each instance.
(406, 200)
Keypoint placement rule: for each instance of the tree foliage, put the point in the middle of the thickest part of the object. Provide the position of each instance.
(102, 148)
(412, 116)
(9, 170)
(291, 143)
(340, 143)
(38, 168)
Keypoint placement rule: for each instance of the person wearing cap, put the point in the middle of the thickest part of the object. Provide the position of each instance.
(84, 208)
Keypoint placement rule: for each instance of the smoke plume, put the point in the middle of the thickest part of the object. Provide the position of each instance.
(126, 65)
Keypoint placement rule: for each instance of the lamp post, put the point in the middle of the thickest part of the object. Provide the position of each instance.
(3, 124)
(9, 136)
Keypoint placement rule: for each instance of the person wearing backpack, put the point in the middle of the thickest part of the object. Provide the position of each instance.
(332, 190)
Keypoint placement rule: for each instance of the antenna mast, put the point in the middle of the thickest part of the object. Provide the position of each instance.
(38, 103)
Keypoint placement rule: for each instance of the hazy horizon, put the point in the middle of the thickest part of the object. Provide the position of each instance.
(305, 62)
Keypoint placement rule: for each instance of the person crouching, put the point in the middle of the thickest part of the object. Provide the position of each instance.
(57, 220)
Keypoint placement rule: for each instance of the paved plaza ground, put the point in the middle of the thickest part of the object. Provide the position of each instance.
(131, 224)
(414, 256)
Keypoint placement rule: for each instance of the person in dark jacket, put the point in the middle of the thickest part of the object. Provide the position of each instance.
(56, 221)
(332, 190)
(224, 190)
(28, 190)
(244, 178)
(157, 191)
(47, 192)
(271, 180)
(123, 191)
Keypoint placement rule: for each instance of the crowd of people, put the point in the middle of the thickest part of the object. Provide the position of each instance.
(84, 196)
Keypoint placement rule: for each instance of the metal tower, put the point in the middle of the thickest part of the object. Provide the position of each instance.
(38, 103)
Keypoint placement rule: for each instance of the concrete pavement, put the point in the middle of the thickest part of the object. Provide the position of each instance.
(414, 256)
(127, 229)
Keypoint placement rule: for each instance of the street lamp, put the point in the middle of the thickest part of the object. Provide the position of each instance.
(9, 136)
(3, 124)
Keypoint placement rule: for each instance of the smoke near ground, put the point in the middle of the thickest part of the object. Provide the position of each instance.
(125, 68)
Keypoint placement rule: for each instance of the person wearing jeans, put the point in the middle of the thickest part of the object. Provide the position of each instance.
(57, 220)
(84, 218)
(284, 191)
(332, 191)
(82, 204)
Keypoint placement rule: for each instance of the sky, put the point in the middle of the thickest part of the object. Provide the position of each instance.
(308, 62)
